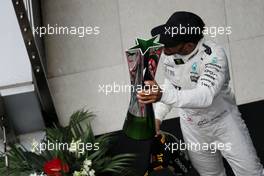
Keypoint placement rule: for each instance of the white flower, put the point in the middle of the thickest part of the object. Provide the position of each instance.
(77, 173)
(92, 173)
(84, 172)
(87, 168)
(87, 162)
(33, 174)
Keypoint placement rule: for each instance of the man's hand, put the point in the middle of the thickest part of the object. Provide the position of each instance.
(150, 95)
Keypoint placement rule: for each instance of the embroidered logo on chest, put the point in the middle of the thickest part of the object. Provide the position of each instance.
(194, 73)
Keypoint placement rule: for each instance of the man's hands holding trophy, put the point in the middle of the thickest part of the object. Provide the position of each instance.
(151, 95)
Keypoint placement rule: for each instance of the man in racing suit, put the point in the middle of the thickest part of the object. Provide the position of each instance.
(197, 82)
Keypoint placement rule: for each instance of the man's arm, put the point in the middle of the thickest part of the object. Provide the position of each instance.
(208, 86)
(162, 109)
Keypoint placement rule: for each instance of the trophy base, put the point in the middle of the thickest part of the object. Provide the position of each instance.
(139, 128)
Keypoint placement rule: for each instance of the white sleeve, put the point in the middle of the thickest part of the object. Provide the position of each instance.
(162, 109)
(208, 86)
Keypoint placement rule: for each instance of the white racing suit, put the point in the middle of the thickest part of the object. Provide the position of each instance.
(198, 85)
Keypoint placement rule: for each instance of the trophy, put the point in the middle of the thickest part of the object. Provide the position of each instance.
(142, 64)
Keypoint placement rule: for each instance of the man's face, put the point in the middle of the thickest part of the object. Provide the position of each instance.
(181, 49)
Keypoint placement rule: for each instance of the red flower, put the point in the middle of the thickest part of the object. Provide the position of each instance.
(54, 167)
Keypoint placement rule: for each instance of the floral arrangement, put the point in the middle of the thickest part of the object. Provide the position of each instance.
(68, 151)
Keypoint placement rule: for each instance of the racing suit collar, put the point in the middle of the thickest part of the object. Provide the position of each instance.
(186, 58)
